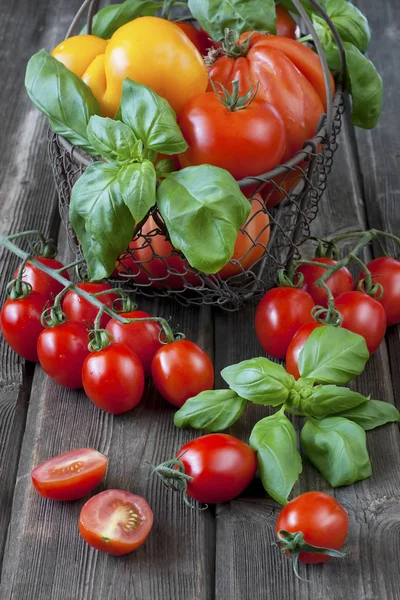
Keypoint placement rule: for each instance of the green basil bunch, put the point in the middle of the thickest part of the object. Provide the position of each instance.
(333, 436)
(202, 207)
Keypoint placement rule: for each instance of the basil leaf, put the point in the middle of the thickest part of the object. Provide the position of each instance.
(327, 40)
(215, 16)
(151, 118)
(337, 447)
(333, 355)
(259, 380)
(137, 184)
(203, 209)
(66, 101)
(279, 462)
(165, 166)
(102, 222)
(372, 414)
(351, 24)
(110, 18)
(214, 410)
(113, 140)
(329, 399)
(308, 7)
(365, 86)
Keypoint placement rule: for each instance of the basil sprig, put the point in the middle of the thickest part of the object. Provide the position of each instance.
(371, 414)
(110, 18)
(213, 410)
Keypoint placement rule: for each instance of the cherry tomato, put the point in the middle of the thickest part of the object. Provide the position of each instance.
(338, 283)
(21, 326)
(285, 25)
(363, 315)
(386, 271)
(113, 379)
(40, 281)
(322, 520)
(181, 370)
(79, 309)
(115, 521)
(198, 37)
(142, 338)
(62, 351)
(70, 475)
(296, 346)
(221, 466)
(218, 136)
(280, 313)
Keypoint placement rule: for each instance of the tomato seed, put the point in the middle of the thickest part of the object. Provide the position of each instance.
(73, 467)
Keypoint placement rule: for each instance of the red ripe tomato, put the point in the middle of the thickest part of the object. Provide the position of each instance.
(21, 326)
(285, 25)
(181, 370)
(251, 240)
(70, 475)
(40, 281)
(113, 379)
(296, 346)
(221, 466)
(363, 315)
(62, 351)
(115, 521)
(338, 283)
(386, 271)
(321, 519)
(142, 338)
(218, 136)
(280, 313)
(198, 37)
(79, 309)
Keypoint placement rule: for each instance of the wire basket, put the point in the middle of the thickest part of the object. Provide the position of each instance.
(279, 221)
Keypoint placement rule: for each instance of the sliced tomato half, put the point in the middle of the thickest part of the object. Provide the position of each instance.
(70, 475)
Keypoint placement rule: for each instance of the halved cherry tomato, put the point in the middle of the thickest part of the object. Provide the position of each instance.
(115, 521)
(363, 315)
(280, 313)
(296, 346)
(113, 378)
(70, 475)
(338, 283)
(181, 370)
(79, 309)
(21, 326)
(62, 351)
(40, 281)
(386, 271)
(142, 338)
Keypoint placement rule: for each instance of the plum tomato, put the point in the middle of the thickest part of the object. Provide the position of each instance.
(40, 281)
(78, 309)
(363, 315)
(21, 325)
(338, 283)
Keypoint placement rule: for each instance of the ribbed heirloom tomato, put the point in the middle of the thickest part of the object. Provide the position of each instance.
(40, 281)
(21, 325)
(70, 475)
(386, 271)
(339, 282)
(78, 309)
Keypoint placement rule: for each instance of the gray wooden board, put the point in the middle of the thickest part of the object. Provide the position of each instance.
(224, 553)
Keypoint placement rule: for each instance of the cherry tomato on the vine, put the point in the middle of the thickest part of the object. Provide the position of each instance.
(79, 309)
(115, 521)
(21, 325)
(142, 338)
(70, 475)
(40, 281)
(338, 283)
(62, 351)
(113, 378)
(363, 315)
(296, 346)
(321, 519)
(280, 313)
(181, 370)
(386, 271)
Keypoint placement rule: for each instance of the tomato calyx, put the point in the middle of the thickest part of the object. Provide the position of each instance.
(232, 47)
(326, 249)
(290, 278)
(18, 289)
(122, 304)
(235, 101)
(172, 474)
(294, 544)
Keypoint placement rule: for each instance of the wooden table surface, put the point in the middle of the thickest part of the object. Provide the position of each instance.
(224, 552)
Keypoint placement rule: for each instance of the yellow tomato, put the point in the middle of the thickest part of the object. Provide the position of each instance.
(79, 51)
(151, 51)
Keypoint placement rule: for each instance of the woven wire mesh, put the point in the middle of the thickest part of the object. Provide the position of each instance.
(279, 222)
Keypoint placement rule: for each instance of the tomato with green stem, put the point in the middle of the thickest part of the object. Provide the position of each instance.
(115, 521)
(279, 315)
(385, 271)
(181, 370)
(296, 346)
(41, 282)
(339, 282)
(70, 475)
(77, 308)
(20, 322)
(210, 469)
(363, 315)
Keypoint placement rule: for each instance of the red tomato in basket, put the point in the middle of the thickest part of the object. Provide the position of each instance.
(198, 37)
(285, 24)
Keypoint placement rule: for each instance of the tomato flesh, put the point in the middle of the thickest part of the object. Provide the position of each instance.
(115, 521)
(296, 346)
(21, 326)
(40, 281)
(78, 309)
(70, 475)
